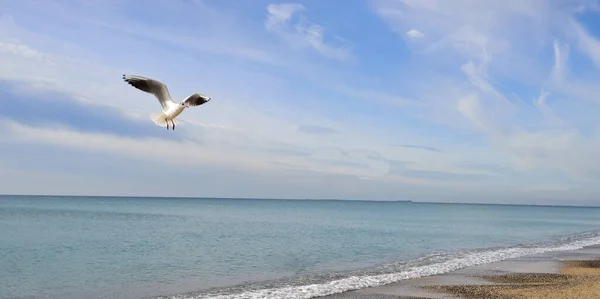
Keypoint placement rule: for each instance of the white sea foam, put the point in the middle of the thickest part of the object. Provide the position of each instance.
(360, 282)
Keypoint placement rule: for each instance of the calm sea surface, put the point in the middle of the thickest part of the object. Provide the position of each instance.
(109, 247)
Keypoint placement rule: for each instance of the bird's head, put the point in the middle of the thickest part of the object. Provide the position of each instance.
(185, 105)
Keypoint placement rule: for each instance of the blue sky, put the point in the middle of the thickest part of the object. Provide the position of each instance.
(464, 100)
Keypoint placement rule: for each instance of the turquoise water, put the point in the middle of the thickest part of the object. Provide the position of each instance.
(109, 247)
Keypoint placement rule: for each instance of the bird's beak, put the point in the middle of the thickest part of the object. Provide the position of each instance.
(187, 106)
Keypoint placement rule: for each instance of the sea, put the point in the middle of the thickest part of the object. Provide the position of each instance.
(133, 247)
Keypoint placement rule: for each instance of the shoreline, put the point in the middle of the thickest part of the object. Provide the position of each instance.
(418, 284)
(559, 274)
(534, 265)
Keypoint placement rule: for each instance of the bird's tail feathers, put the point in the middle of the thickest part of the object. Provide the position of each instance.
(160, 119)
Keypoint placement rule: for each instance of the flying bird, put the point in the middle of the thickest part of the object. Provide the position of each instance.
(170, 109)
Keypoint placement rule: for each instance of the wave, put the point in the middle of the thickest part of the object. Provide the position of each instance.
(426, 266)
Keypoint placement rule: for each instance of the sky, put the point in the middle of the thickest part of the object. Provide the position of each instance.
(424, 100)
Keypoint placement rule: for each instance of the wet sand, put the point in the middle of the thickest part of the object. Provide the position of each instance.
(557, 275)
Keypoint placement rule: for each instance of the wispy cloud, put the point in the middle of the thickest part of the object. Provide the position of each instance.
(57, 108)
(318, 130)
(485, 41)
(414, 33)
(404, 169)
(288, 21)
(423, 147)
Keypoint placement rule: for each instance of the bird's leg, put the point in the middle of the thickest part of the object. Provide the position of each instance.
(173, 122)
(167, 124)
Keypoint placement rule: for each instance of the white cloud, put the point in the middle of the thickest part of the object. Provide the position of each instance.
(210, 152)
(19, 49)
(414, 33)
(587, 43)
(561, 54)
(562, 148)
(480, 30)
(302, 33)
(485, 38)
(212, 168)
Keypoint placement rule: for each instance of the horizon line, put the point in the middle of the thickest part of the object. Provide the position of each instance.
(593, 203)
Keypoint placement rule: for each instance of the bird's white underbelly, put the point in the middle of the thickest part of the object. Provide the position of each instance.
(170, 114)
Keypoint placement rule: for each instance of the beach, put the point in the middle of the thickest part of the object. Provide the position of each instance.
(556, 275)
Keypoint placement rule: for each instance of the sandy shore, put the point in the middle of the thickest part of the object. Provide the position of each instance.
(556, 275)
(577, 279)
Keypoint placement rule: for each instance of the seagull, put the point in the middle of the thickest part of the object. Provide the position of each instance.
(170, 109)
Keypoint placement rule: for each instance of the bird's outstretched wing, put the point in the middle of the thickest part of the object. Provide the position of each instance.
(155, 87)
(196, 99)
